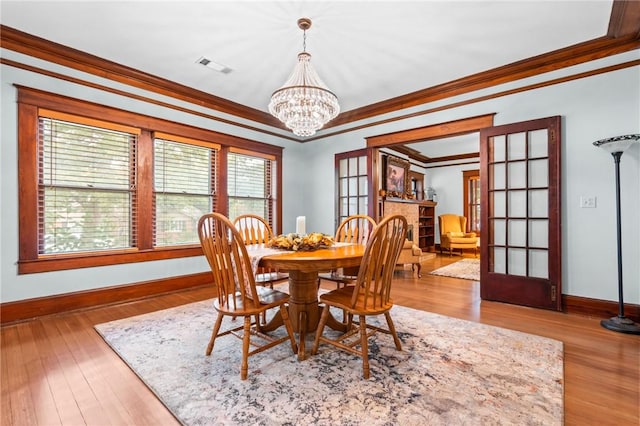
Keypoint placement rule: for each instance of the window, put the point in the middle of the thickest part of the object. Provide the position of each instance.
(251, 185)
(471, 179)
(352, 182)
(184, 189)
(102, 186)
(85, 182)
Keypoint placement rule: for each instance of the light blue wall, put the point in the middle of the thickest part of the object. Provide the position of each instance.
(592, 108)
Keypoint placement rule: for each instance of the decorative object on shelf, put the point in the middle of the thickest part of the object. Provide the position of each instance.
(304, 103)
(431, 194)
(616, 146)
(396, 176)
(297, 242)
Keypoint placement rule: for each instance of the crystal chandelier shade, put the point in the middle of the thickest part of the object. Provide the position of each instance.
(304, 103)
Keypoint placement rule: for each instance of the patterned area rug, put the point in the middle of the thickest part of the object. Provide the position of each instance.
(468, 269)
(450, 372)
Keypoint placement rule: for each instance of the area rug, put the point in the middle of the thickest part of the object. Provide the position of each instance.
(450, 372)
(468, 269)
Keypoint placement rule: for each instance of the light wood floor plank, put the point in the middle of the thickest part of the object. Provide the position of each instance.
(44, 402)
(83, 396)
(48, 344)
(5, 389)
(17, 380)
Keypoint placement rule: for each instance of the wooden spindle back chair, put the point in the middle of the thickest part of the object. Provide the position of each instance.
(371, 294)
(238, 295)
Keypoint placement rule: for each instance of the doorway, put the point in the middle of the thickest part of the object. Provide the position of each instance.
(533, 265)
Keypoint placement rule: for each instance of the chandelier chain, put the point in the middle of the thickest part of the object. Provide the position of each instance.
(304, 40)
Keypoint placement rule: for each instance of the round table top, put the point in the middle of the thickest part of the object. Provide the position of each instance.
(339, 256)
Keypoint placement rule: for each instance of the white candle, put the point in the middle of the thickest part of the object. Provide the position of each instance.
(300, 225)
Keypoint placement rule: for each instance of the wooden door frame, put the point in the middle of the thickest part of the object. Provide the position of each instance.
(447, 129)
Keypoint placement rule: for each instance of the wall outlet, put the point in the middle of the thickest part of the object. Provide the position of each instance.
(588, 201)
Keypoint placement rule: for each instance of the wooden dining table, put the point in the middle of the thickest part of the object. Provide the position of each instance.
(303, 268)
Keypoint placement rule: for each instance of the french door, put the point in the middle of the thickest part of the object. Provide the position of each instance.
(353, 170)
(520, 213)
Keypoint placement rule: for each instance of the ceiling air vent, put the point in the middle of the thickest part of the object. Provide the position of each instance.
(214, 65)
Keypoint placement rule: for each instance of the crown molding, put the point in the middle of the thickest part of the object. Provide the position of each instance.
(558, 59)
(40, 48)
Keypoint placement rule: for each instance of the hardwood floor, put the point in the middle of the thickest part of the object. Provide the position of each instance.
(58, 370)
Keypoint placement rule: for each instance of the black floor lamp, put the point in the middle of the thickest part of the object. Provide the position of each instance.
(616, 147)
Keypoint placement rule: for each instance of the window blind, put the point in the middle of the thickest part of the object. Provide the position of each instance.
(250, 186)
(184, 190)
(86, 187)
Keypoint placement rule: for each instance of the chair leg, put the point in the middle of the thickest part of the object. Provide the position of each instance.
(323, 320)
(419, 268)
(214, 333)
(364, 346)
(392, 330)
(302, 334)
(244, 367)
(284, 312)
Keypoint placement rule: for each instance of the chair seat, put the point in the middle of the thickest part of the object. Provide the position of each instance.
(271, 278)
(463, 240)
(338, 278)
(341, 298)
(268, 299)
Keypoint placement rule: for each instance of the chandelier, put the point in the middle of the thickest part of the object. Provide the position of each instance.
(304, 103)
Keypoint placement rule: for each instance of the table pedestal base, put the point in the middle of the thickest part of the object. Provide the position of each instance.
(304, 310)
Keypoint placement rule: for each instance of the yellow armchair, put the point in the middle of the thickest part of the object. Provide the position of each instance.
(453, 234)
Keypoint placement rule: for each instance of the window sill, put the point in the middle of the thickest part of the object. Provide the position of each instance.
(89, 260)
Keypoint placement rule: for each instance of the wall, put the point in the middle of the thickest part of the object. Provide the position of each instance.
(592, 108)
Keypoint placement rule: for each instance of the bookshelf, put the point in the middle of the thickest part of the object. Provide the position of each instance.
(426, 226)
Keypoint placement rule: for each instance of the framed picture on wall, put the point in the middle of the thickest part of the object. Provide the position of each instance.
(396, 176)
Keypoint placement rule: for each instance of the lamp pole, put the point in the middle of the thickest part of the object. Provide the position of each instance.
(617, 146)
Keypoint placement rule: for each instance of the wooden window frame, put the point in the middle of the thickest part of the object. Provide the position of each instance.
(31, 101)
(270, 199)
(214, 150)
(467, 177)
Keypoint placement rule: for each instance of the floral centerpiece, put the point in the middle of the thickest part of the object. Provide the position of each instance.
(296, 242)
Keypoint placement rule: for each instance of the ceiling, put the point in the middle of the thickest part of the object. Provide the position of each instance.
(366, 52)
